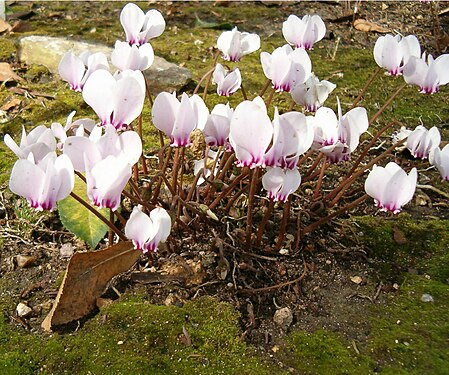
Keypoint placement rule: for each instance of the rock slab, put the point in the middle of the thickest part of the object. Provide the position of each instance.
(48, 51)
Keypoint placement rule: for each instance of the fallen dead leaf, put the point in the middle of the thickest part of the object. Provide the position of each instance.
(5, 27)
(10, 104)
(86, 278)
(367, 26)
(7, 74)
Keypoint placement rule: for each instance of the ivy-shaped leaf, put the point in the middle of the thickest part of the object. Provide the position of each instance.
(79, 220)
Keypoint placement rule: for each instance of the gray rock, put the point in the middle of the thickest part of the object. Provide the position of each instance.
(48, 51)
(283, 317)
(23, 310)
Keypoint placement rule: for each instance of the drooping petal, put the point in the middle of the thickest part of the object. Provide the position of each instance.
(139, 228)
(27, 180)
(250, 133)
(132, 19)
(164, 111)
(99, 92)
(185, 123)
(128, 102)
(71, 69)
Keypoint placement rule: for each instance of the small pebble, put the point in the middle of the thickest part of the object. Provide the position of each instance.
(24, 261)
(120, 342)
(283, 317)
(23, 310)
(66, 250)
(426, 298)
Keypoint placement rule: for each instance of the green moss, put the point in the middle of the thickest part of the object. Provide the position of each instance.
(410, 335)
(419, 244)
(324, 352)
(134, 336)
(7, 49)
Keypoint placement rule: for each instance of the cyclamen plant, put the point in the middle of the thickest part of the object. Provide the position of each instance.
(238, 151)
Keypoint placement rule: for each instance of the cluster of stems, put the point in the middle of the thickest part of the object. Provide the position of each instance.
(170, 186)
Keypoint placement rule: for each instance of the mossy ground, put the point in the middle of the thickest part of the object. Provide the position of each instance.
(133, 336)
(406, 335)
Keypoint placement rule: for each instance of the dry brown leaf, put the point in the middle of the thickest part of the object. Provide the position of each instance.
(5, 27)
(86, 278)
(367, 26)
(10, 104)
(20, 27)
(7, 74)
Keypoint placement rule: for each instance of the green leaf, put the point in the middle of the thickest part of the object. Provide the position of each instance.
(79, 220)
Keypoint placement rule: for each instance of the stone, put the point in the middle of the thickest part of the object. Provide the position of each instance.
(48, 51)
(283, 317)
(24, 261)
(23, 310)
(66, 250)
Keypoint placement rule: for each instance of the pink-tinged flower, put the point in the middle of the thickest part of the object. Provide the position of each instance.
(76, 70)
(291, 137)
(303, 32)
(177, 119)
(117, 100)
(77, 127)
(391, 187)
(106, 180)
(216, 130)
(421, 141)
(393, 52)
(227, 83)
(427, 73)
(250, 132)
(286, 67)
(147, 232)
(312, 93)
(235, 44)
(338, 137)
(40, 141)
(205, 165)
(140, 27)
(280, 183)
(43, 183)
(440, 159)
(132, 57)
(97, 146)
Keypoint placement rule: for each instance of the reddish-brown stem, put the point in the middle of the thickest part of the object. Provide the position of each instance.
(387, 103)
(327, 218)
(305, 157)
(285, 217)
(245, 97)
(368, 84)
(235, 197)
(175, 170)
(161, 139)
(314, 165)
(193, 187)
(369, 145)
(100, 216)
(162, 173)
(263, 223)
(249, 215)
(180, 189)
(270, 98)
(340, 189)
(267, 84)
(111, 232)
(320, 180)
(209, 76)
(227, 191)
